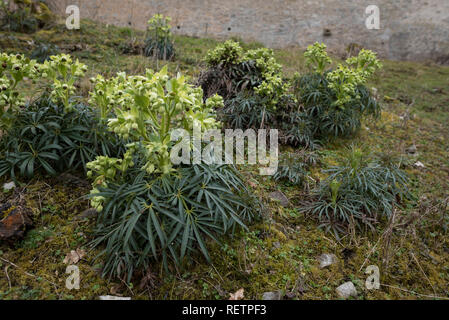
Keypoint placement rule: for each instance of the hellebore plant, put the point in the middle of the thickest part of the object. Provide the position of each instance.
(228, 53)
(14, 68)
(159, 42)
(148, 207)
(63, 72)
(147, 109)
(317, 57)
(52, 133)
(60, 70)
(360, 192)
(335, 100)
(255, 69)
(255, 93)
(346, 78)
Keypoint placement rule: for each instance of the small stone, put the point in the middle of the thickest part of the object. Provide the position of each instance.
(346, 290)
(412, 149)
(114, 298)
(87, 214)
(280, 197)
(14, 222)
(327, 259)
(271, 296)
(9, 186)
(419, 164)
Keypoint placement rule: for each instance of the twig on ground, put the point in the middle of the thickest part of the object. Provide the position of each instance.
(419, 265)
(7, 277)
(415, 293)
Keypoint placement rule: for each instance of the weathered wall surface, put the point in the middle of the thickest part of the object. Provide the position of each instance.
(410, 29)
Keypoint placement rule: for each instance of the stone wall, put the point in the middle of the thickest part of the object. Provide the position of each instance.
(410, 29)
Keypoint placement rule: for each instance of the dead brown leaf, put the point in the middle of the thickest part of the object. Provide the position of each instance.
(74, 256)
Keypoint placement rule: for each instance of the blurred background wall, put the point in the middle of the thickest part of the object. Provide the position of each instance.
(409, 29)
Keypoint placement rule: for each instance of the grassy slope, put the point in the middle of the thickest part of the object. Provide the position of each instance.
(280, 252)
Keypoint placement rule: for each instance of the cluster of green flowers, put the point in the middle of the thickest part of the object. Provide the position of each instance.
(366, 63)
(159, 43)
(14, 68)
(63, 73)
(317, 57)
(106, 170)
(108, 93)
(227, 53)
(160, 26)
(147, 109)
(343, 81)
(345, 78)
(272, 86)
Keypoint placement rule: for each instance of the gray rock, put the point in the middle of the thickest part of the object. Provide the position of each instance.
(327, 259)
(419, 164)
(346, 290)
(280, 197)
(412, 149)
(9, 186)
(271, 295)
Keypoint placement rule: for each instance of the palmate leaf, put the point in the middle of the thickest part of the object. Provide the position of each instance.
(368, 189)
(165, 218)
(327, 120)
(56, 140)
